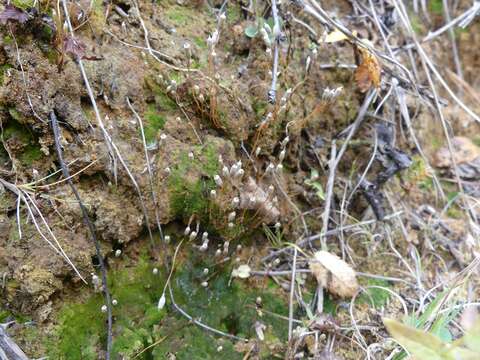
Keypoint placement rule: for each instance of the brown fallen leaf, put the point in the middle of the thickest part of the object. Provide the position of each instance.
(369, 71)
(334, 274)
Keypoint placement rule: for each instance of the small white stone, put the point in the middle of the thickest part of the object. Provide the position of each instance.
(204, 283)
(114, 302)
(118, 252)
(155, 271)
(104, 308)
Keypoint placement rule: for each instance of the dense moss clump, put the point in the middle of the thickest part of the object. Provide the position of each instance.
(154, 122)
(20, 139)
(190, 194)
(143, 331)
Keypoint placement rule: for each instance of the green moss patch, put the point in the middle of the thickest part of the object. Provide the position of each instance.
(180, 16)
(436, 7)
(15, 132)
(142, 330)
(154, 122)
(81, 330)
(200, 42)
(23, 4)
(189, 194)
(3, 70)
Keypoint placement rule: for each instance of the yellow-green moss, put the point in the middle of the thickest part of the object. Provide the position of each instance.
(233, 13)
(200, 42)
(97, 16)
(417, 174)
(3, 69)
(163, 101)
(180, 16)
(260, 108)
(417, 25)
(23, 4)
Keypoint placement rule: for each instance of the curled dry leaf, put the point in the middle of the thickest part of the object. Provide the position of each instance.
(334, 274)
(368, 73)
(334, 36)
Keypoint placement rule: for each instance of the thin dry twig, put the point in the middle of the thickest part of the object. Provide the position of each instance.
(91, 228)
